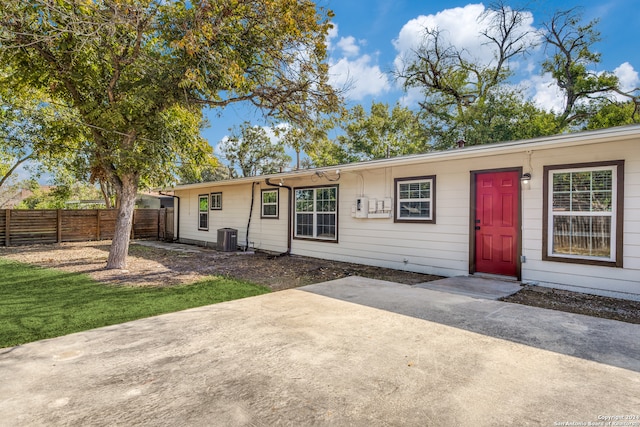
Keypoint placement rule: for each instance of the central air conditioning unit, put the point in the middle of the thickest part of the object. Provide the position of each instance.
(227, 239)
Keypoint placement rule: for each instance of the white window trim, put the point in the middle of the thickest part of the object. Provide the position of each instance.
(203, 212)
(431, 199)
(276, 204)
(315, 215)
(613, 214)
(217, 206)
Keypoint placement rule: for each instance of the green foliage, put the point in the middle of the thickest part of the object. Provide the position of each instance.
(58, 196)
(505, 116)
(30, 129)
(614, 114)
(207, 170)
(325, 152)
(250, 151)
(43, 303)
(570, 45)
(137, 73)
(376, 134)
(473, 100)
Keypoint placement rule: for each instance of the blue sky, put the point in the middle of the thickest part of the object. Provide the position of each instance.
(369, 35)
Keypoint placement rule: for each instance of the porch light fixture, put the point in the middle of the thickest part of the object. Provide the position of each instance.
(525, 178)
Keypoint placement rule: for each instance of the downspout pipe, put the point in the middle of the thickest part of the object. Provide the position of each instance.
(253, 193)
(177, 213)
(289, 222)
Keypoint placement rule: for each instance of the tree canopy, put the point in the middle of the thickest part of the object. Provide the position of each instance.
(473, 99)
(251, 152)
(28, 124)
(136, 74)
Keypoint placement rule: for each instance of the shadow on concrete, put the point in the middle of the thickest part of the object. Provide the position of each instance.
(601, 340)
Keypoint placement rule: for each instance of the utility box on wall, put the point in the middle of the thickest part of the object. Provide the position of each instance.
(362, 207)
(372, 208)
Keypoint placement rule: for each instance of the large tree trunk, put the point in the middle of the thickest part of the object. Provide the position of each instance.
(120, 243)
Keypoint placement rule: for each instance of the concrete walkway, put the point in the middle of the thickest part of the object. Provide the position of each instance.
(327, 354)
(473, 286)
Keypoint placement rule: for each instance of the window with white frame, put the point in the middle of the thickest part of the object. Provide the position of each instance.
(415, 199)
(203, 212)
(316, 213)
(583, 218)
(269, 203)
(216, 201)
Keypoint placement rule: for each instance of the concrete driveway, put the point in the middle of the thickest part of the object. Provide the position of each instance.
(350, 352)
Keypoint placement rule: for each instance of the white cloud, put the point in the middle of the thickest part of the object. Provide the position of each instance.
(356, 74)
(349, 46)
(358, 77)
(460, 27)
(627, 76)
(217, 148)
(331, 34)
(546, 93)
(411, 97)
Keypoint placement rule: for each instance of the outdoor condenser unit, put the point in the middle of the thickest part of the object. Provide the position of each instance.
(227, 239)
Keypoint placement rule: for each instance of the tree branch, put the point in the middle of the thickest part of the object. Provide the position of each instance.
(15, 166)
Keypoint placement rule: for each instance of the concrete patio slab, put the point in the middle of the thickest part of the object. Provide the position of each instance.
(297, 357)
(605, 341)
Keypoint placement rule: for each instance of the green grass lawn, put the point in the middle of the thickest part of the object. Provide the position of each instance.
(38, 303)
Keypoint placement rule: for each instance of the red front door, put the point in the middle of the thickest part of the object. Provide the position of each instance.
(496, 222)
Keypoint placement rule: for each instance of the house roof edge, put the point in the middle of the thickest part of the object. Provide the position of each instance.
(562, 140)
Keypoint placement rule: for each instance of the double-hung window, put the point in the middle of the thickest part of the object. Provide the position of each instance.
(583, 213)
(269, 204)
(415, 199)
(203, 212)
(316, 213)
(216, 201)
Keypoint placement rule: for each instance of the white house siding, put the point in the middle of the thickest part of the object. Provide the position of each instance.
(266, 234)
(604, 279)
(441, 248)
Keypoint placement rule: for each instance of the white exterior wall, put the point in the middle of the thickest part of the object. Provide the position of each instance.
(441, 248)
(535, 270)
(266, 234)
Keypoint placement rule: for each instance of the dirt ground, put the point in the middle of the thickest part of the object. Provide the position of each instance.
(152, 266)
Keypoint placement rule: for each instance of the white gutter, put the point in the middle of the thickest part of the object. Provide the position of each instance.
(566, 140)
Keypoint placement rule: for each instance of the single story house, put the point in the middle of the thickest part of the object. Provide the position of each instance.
(560, 211)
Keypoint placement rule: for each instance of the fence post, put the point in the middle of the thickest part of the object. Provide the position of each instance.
(7, 238)
(133, 224)
(59, 226)
(98, 224)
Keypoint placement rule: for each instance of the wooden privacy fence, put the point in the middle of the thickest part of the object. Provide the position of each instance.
(25, 227)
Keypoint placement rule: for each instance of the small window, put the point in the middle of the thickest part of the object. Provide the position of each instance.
(216, 201)
(269, 204)
(317, 213)
(415, 199)
(203, 212)
(583, 213)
